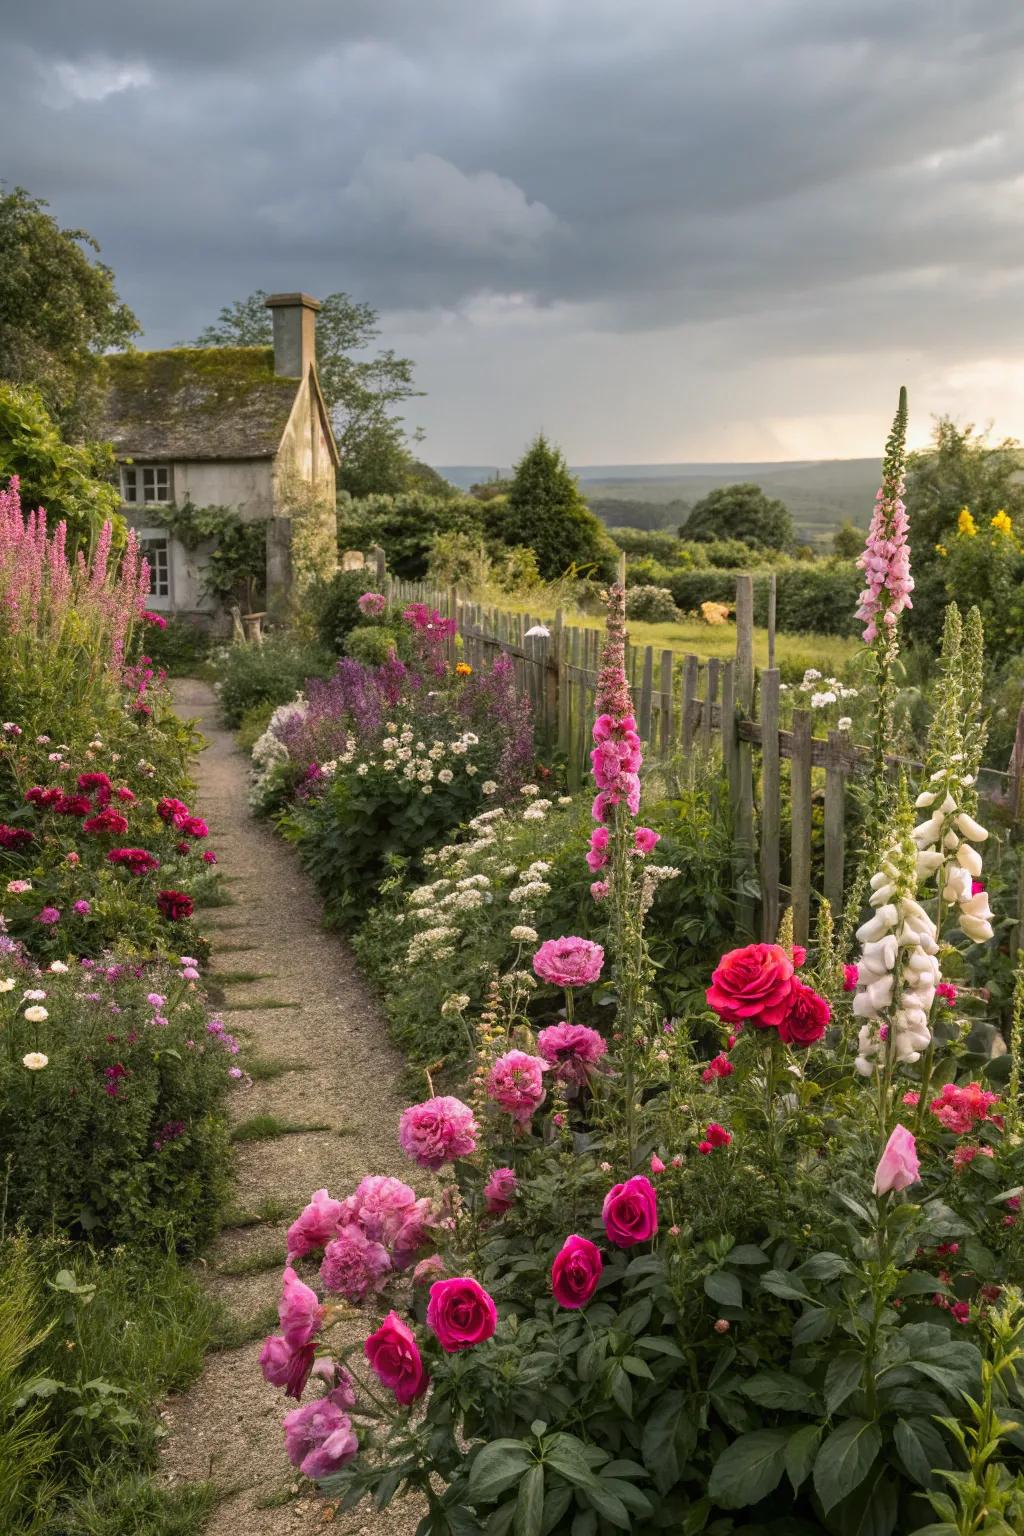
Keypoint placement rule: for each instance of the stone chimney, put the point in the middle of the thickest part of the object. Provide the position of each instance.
(294, 333)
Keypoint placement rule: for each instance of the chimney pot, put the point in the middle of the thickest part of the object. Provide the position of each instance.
(294, 333)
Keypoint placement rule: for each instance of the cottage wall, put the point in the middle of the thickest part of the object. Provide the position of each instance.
(246, 485)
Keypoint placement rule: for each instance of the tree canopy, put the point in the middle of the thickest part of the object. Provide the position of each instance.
(59, 311)
(740, 512)
(361, 392)
(72, 481)
(545, 511)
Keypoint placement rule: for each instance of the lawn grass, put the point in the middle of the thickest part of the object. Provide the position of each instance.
(268, 1127)
(255, 1263)
(268, 1211)
(234, 1332)
(132, 1505)
(263, 1069)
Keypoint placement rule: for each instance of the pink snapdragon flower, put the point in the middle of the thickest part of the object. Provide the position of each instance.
(569, 962)
(886, 557)
(516, 1084)
(898, 1166)
(438, 1131)
(572, 1050)
(645, 840)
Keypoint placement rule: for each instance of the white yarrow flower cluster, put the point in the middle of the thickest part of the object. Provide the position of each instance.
(898, 969)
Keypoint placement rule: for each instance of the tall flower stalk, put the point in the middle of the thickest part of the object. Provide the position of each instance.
(885, 562)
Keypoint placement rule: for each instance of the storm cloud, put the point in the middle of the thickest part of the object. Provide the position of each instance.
(662, 230)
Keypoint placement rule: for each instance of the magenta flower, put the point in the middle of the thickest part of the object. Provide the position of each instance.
(886, 557)
(461, 1313)
(319, 1438)
(372, 604)
(630, 1212)
(576, 1272)
(645, 841)
(437, 1131)
(299, 1312)
(516, 1084)
(388, 1212)
(315, 1227)
(569, 962)
(353, 1266)
(48, 916)
(395, 1359)
(82, 908)
(572, 1049)
(500, 1191)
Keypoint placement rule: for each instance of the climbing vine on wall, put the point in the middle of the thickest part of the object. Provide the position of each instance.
(236, 568)
(314, 531)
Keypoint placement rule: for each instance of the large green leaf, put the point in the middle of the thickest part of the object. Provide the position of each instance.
(845, 1460)
(777, 1389)
(921, 1449)
(801, 1449)
(724, 1287)
(842, 1378)
(496, 1467)
(749, 1468)
(530, 1503)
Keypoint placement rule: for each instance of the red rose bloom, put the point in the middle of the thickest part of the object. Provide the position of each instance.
(195, 826)
(576, 1272)
(14, 838)
(43, 798)
(175, 905)
(72, 805)
(752, 984)
(136, 859)
(104, 822)
(807, 1018)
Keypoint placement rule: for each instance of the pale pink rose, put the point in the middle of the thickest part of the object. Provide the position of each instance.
(315, 1227)
(388, 1212)
(898, 1166)
(438, 1131)
(428, 1269)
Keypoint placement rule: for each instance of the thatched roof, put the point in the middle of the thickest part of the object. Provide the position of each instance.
(196, 403)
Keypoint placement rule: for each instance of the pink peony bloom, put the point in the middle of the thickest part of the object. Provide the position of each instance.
(461, 1313)
(388, 1212)
(500, 1191)
(645, 841)
(630, 1212)
(569, 962)
(82, 908)
(898, 1166)
(353, 1266)
(599, 890)
(576, 1272)
(573, 1050)
(315, 1227)
(396, 1361)
(438, 1131)
(319, 1438)
(48, 916)
(516, 1084)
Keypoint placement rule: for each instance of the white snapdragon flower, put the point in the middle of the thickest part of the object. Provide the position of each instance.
(898, 969)
(945, 842)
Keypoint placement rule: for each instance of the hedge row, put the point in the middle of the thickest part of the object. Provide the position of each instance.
(808, 598)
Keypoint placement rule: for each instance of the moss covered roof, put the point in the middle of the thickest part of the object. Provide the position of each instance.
(196, 403)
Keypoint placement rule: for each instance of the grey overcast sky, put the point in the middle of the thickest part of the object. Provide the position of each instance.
(659, 229)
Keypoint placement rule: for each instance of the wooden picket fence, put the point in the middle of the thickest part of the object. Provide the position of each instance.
(688, 709)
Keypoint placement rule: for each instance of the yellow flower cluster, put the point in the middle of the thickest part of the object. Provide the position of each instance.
(965, 523)
(1002, 522)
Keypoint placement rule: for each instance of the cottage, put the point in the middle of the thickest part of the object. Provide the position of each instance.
(243, 429)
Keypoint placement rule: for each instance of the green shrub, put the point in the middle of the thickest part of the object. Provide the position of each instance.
(651, 605)
(730, 554)
(120, 1135)
(691, 588)
(371, 644)
(254, 723)
(659, 543)
(335, 606)
(645, 571)
(819, 598)
(271, 673)
(180, 649)
(405, 526)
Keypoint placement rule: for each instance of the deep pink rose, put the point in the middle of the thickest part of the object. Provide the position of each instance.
(299, 1310)
(630, 1212)
(576, 1272)
(286, 1366)
(315, 1227)
(395, 1359)
(806, 1018)
(752, 983)
(353, 1266)
(438, 1131)
(569, 962)
(572, 1049)
(516, 1084)
(500, 1191)
(319, 1438)
(461, 1313)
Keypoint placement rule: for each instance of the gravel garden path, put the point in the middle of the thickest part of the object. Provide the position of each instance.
(310, 1011)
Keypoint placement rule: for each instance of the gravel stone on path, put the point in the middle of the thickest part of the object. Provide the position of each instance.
(227, 1426)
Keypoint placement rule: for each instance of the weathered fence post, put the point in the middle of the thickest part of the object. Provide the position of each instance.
(835, 823)
(744, 793)
(800, 812)
(770, 804)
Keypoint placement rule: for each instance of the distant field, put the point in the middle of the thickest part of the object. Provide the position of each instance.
(820, 494)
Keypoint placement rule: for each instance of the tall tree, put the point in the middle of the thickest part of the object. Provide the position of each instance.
(545, 511)
(361, 392)
(59, 311)
(740, 512)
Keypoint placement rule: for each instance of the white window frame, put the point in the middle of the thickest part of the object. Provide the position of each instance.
(159, 536)
(135, 477)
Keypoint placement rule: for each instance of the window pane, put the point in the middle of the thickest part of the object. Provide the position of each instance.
(128, 485)
(156, 482)
(157, 554)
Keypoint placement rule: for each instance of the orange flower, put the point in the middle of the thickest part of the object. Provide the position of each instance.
(463, 669)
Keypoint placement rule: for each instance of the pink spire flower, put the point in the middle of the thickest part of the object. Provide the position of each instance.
(886, 557)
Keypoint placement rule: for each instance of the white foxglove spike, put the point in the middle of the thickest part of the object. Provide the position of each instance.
(928, 861)
(970, 859)
(925, 798)
(971, 828)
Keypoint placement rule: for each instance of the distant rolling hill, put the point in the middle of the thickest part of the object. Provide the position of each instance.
(820, 493)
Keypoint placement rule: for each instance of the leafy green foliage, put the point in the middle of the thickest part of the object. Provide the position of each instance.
(652, 605)
(271, 673)
(235, 569)
(819, 598)
(181, 648)
(59, 310)
(405, 526)
(740, 512)
(545, 510)
(73, 481)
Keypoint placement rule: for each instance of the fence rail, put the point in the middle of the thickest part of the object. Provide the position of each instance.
(688, 707)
